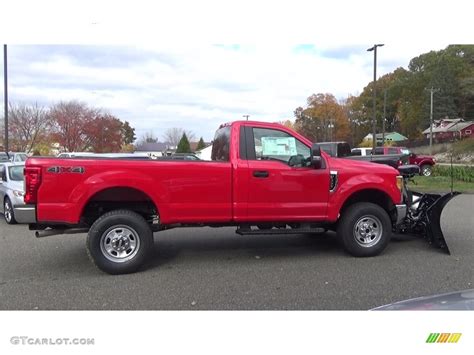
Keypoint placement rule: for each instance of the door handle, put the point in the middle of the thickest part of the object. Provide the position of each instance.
(261, 174)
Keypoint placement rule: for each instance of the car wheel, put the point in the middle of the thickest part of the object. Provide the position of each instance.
(8, 212)
(119, 242)
(364, 229)
(426, 170)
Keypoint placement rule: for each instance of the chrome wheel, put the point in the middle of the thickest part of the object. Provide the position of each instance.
(368, 231)
(8, 211)
(119, 243)
(426, 171)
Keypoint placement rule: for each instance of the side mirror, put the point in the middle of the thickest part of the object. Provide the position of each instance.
(316, 160)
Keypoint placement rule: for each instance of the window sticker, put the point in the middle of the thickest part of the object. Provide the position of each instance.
(279, 146)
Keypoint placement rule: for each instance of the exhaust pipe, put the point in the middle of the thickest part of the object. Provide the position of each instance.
(50, 232)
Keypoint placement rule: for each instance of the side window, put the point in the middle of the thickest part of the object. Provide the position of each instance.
(392, 151)
(221, 145)
(3, 172)
(272, 144)
(356, 152)
(378, 151)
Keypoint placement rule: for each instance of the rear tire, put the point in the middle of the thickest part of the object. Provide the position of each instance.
(426, 170)
(364, 229)
(8, 212)
(119, 242)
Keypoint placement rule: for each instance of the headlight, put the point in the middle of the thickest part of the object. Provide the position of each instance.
(400, 182)
(18, 193)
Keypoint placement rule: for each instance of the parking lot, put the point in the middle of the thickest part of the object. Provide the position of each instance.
(205, 268)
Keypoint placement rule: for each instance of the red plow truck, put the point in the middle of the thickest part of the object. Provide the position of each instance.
(263, 179)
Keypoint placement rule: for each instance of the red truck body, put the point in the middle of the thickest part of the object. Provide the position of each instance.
(241, 186)
(211, 191)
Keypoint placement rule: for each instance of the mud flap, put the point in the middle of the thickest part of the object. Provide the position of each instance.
(425, 217)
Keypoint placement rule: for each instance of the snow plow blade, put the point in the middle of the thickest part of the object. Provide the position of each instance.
(425, 217)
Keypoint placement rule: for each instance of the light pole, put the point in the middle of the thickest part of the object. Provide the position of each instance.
(246, 116)
(374, 138)
(432, 91)
(5, 78)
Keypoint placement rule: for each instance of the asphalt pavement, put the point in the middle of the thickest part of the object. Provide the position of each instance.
(216, 269)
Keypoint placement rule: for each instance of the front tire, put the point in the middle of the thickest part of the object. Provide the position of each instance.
(426, 170)
(119, 242)
(8, 212)
(365, 229)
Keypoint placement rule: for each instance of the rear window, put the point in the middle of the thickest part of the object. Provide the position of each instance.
(221, 145)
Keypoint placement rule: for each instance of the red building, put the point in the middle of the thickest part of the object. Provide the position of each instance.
(446, 128)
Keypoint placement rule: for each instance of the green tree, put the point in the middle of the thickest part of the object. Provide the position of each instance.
(201, 144)
(183, 145)
(128, 133)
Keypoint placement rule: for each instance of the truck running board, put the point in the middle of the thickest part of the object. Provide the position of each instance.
(249, 231)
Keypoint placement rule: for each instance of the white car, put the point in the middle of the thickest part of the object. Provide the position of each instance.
(11, 194)
(361, 151)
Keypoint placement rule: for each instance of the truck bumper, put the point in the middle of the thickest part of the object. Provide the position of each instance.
(25, 213)
(401, 213)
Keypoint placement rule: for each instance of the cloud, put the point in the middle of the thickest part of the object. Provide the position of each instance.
(197, 86)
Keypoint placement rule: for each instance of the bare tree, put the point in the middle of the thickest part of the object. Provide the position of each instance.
(28, 124)
(173, 135)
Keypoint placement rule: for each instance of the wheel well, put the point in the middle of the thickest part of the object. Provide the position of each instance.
(119, 198)
(374, 196)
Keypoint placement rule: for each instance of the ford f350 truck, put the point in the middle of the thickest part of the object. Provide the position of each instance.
(263, 178)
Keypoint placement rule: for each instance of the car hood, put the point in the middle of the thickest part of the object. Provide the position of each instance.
(459, 300)
(16, 185)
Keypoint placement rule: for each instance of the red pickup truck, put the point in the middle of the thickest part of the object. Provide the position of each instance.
(425, 162)
(263, 178)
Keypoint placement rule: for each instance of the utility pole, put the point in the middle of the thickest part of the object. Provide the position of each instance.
(246, 116)
(384, 116)
(5, 77)
(374, 133)
(432, 91)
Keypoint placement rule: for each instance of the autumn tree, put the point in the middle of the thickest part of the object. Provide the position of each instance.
(28, 126)
(183, 145)
(70, 120)
(324, 119)
(201, 144)
(77, 127)
(104, 133)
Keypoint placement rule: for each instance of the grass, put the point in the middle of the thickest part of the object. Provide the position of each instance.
(440, 184)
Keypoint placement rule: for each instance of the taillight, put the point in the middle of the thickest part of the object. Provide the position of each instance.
(32, 184)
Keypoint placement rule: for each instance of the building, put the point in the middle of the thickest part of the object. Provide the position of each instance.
(389, 137)
(454, 128)
(157, 149)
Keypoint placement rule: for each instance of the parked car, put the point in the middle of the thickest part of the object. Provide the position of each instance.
(361, 151)
(4, 157)
(11, 193)
(16, 157)
(425, 162)
(183, 156)
(343, 150)
(74, 154)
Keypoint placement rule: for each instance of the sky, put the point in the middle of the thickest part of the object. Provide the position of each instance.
(197, 64)
(195, 87)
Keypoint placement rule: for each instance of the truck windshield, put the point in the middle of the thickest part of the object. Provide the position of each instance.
(221, 144)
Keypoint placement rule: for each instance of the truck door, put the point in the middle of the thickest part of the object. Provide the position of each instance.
(283, 186)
